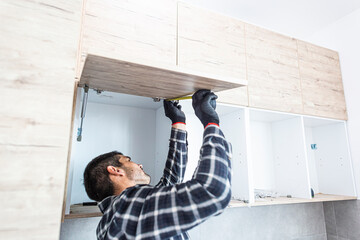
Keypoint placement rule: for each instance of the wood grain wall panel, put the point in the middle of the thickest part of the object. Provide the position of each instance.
(272, 68)
(31, 199)
(38, 45)
(139, 31)
(212, 43)
(321, 82)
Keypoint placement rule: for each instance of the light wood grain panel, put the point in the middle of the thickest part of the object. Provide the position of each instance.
(37, 64)
(34, 115)
(212, 43)
(273, 74)
(148, 81)
(321, 82)
(136, 30)
(32, 190)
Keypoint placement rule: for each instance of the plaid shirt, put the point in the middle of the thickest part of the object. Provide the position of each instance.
(169, 209)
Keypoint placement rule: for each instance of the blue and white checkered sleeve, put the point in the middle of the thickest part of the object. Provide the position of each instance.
(176, 160)
(171, 210)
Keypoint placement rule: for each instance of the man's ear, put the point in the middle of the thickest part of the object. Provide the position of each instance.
(115, 170)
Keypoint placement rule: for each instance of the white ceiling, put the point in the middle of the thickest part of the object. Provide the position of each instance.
(295, 18)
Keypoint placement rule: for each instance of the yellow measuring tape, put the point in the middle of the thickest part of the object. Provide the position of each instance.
(179, 98)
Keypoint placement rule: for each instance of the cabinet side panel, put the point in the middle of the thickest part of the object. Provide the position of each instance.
(72, 151)
(333, 160)
(233, 126)
(38, 45)
(290, 158)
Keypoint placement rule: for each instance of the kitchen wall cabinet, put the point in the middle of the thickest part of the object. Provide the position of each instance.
(212, 43)
(321, 82)
(283, 74)
(272, 70)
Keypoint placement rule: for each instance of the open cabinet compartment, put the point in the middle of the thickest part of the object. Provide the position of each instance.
(112, 122)
(278, 159)
(328, 154)
(138, 127)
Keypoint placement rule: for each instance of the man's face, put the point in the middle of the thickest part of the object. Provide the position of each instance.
(134, 171)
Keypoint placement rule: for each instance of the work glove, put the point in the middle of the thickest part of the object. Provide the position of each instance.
(173, 111)
(204, 104)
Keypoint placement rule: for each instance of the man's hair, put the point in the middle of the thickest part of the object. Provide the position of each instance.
(97, 182)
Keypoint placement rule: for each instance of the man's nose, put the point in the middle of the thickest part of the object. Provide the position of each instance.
(141, 166)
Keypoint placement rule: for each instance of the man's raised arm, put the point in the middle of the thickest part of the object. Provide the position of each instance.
(172, 210)
(177, 156)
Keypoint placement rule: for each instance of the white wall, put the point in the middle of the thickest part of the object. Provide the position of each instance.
(344, 36)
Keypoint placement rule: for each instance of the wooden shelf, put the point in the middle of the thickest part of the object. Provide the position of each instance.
(284, 200)
(149, 81)
(79, 211)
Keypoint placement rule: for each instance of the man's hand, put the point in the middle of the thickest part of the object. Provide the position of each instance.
(173, 111)
(204, 104)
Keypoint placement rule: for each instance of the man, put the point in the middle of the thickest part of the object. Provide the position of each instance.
(135, 210)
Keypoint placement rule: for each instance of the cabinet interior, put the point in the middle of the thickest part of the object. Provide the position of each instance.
(330, 168)
(278, 157)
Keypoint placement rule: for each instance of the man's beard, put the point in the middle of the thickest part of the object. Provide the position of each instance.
(138, 176)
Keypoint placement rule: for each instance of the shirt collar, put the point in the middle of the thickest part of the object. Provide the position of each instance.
(104, 204)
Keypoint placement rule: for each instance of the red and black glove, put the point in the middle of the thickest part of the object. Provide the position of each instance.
(204, 104)
(173, 111)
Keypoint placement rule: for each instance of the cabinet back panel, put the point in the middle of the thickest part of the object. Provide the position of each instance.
(290, 158)
(106, 128)
(262, 155)
(333, 163)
